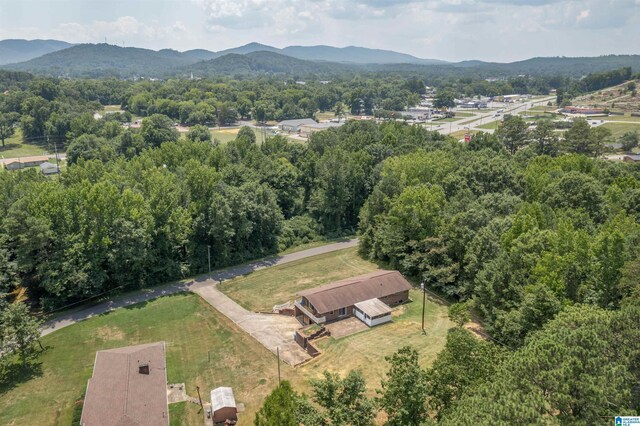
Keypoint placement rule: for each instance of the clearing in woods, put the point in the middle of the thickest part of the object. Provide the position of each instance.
(193, 330)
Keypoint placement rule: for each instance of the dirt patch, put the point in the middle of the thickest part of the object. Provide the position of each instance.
(478, 330)
(109, 333)
(397, 311)
(228, 131)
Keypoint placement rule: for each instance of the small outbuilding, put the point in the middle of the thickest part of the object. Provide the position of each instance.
(48, 168)
(223, 406)
(372, 312)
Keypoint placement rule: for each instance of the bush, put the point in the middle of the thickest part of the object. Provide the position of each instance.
(298, 230)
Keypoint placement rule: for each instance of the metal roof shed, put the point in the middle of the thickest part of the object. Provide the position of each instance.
(373, 312)
(223, 405)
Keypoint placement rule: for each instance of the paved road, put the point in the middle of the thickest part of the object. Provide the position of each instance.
(164, 290)
(473, 123)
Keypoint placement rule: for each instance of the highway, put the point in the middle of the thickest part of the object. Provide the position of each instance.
(472, 123)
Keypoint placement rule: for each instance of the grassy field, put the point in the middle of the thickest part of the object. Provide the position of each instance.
(190, 328)
(618, 129)
(15, 147)
(112, 108)
(193, 330)
(492, 125)
(265, 288)
(366, 350)
(228, 134)
(327, 115)
(619, 118)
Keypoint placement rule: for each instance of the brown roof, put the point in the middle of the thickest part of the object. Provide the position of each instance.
(344, 293)
(32, 159)
(118, 394)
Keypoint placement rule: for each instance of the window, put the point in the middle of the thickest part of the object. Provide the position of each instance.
(342, 312)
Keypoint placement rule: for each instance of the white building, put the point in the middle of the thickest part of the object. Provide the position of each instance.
(372, 312)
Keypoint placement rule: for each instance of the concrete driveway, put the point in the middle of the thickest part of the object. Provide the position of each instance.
(271, 330)
(264, 326)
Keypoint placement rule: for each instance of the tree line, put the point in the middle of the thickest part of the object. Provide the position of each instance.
(144, 207)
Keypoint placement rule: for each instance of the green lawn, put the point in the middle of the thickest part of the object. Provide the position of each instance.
(15, 147)
(193, 331)
(228, 134)
(268, 287)
(492, 125)
(448, 120)
(326, 115)
(365, 350)
(619, 118)
(112, 108)
(190, 328)
(464, 114)
(618, 129)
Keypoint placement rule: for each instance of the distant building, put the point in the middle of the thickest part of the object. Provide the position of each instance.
(362, 296)
(21, 163)
(631, 158)
(293, 126)
(307, 129)
(128, 388)
(582, 110)
(48, 168)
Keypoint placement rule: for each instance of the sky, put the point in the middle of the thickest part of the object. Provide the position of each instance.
(453, 30)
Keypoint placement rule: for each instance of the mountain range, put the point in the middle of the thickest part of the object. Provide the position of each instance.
(15, 50)
(55, 58)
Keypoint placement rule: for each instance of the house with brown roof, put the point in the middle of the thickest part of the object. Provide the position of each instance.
(369, 297)
(128, 387)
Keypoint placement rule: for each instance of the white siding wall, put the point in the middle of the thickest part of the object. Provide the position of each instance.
(371, 322)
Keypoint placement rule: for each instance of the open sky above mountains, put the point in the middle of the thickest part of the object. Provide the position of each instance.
(492, 30)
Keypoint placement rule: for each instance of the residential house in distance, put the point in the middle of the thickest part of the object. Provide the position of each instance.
(128, 388)
(631, 158)
(369, 297)
(293, 126)
(24, 162)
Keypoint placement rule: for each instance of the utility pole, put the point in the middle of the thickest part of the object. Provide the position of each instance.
(199, 398)
(209, 256)
(278, 355)
(55, 149)
(424, 295)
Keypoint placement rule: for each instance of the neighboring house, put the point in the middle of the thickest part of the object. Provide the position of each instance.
(293, 126)
(631, 158)
(223, 406)
(21, 163)
(307, 129)
(369, 297)
(48, 168)
(128, 387)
